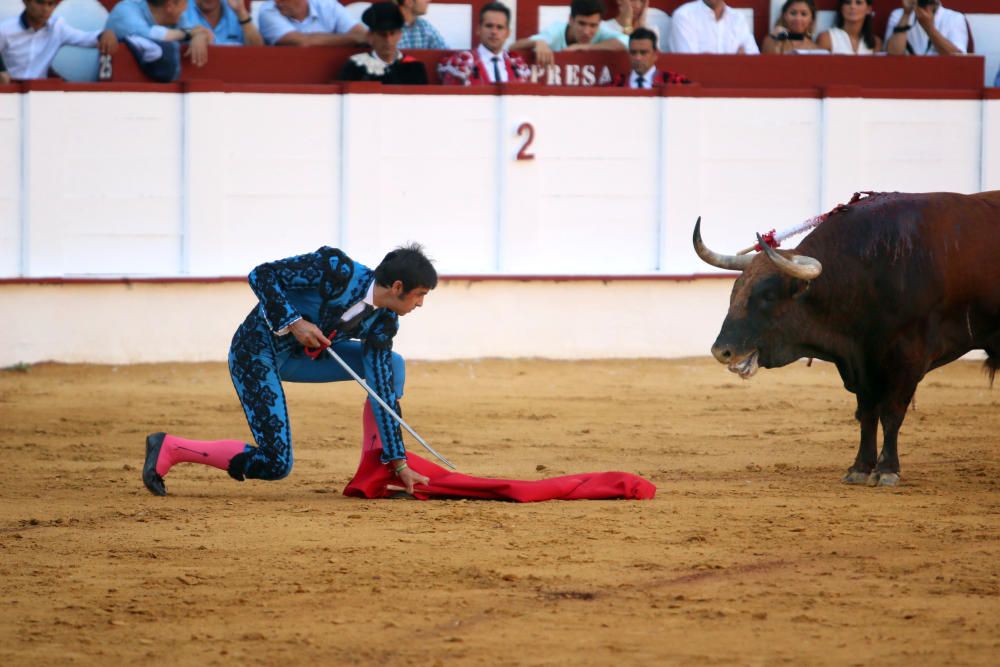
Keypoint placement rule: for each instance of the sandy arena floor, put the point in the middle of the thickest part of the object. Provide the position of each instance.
(752, 553)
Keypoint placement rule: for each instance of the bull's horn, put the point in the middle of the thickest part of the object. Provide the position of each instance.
(799, 266)
(731, 262)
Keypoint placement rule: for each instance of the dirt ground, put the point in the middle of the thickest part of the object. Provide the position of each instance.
(752, 553)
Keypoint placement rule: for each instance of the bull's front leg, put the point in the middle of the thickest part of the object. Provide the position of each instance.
(892, 414)
(864, 462)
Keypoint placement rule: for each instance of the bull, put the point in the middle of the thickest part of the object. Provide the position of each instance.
(888, 288)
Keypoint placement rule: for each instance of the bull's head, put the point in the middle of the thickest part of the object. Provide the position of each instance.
(765, 320)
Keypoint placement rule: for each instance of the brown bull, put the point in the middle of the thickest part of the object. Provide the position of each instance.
(887, 288)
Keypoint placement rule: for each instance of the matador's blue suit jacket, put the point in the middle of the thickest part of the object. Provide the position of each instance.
(318, 287)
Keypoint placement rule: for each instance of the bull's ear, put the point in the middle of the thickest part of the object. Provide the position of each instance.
(799, 287)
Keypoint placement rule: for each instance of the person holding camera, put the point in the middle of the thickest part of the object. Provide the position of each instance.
(794, 29)
(852, 33)
(926, 28)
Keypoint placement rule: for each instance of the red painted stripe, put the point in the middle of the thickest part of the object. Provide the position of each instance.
(521, 89)
(475, 278)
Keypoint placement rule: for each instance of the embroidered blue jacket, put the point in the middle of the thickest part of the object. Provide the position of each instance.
(319, 287)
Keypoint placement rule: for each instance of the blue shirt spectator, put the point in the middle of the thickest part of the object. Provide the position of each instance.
(229, 21)
(135, 17)
(583, 32)
(153, 28)
(555, 35)
(309, 23)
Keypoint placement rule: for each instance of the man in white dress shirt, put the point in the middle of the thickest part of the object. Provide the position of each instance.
(29, 42)
(710, 26)
(489, 62)
(925, 28)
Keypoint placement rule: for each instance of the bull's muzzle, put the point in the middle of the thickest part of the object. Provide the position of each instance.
(722, 353)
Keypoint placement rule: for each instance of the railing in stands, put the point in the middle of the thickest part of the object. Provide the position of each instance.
(312, 66)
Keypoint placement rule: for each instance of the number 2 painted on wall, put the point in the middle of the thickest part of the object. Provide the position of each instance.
(529, 129)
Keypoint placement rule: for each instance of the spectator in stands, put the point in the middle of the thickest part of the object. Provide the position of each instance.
(385, 63)
(4, 76)
(488, 62)
(642, 53)
(309, 23)
(30, 40)
(154, 31)
(937, 31)
(418, 33)
(583, 32)
(710, 26)
(852, 32)
(631, 16)
(229, 20)
(794, 30)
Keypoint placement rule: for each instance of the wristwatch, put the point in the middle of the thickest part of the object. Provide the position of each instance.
(187, 34)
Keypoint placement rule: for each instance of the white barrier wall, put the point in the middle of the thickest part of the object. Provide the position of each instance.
(210, 184)
(10, 184)
(149, 322)
(990, 139)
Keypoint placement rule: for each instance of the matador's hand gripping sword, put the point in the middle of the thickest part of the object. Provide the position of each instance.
(371, 392)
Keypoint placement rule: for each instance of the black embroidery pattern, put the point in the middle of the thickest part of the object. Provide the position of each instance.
(253, 367)
(256, 354)
(328, 270)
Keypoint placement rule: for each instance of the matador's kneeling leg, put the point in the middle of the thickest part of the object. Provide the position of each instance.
(163, 451)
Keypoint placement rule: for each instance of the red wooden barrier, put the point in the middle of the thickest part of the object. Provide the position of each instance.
(315, 65)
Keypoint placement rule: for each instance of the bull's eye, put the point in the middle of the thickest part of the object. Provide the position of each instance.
(769, 297)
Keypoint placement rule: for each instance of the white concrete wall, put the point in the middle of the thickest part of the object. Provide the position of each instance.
(10, 184)
(263, 179)
(115, 323)
(211, 184)
(990, 138)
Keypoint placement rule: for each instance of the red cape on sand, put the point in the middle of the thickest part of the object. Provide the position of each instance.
(373, 478)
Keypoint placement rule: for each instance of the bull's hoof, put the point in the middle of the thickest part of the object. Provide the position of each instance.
(888, 479)
(883, 479)
(855, 477)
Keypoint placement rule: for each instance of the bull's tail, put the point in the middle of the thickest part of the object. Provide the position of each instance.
(991, 366)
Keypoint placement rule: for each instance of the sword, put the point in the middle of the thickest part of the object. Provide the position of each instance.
(385, 406)
(778, 237)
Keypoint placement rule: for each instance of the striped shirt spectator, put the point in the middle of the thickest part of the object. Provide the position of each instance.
(418, 33)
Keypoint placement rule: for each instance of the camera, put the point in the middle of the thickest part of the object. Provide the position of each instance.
(926, 3)
(790, 36)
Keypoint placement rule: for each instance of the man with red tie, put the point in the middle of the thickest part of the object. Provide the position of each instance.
(489, 62)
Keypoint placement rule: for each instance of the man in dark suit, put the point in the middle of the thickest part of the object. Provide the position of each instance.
(642, 54)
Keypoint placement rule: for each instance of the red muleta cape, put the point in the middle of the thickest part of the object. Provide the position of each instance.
(373, 477)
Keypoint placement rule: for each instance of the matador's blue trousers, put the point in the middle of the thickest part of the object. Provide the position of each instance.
(258, 362)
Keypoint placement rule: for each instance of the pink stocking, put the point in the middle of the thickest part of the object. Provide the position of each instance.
(216, 453)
